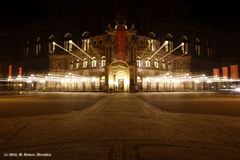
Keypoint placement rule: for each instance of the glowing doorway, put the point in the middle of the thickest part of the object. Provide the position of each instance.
(118, 76)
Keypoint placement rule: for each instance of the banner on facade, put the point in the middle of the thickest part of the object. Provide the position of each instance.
(225, 72)
(20, 71)
(121, 43)
(216, 72)
(10, 71)
(234, 71)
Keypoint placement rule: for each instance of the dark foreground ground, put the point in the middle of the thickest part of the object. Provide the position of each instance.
(142, 126)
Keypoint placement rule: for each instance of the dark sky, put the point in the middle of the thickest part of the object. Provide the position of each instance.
(223, 15)
(220, 14)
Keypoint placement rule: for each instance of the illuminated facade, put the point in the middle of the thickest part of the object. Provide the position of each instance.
(78, 50)
(119, 60)
(69, 51)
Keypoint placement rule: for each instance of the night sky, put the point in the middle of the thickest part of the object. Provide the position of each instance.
(222, 15)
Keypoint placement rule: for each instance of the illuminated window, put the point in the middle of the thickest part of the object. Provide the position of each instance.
(138, 61)
(51, 47)
(85, 63)
(103, 61)
(139, 79)
(67, 39)
(169, 43)
(198, 47)
(85, 44)
(77, 64)
(38, 46)
(147, 62)
(152, 45)
(86, 41)
(185, 45)
(164, 64)
(209, 50)
(94, 62)
(156, 63)
(149, 44)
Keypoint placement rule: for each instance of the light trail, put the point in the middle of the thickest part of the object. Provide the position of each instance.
(158, 50)
(81, 49)
(54, 43)
(74, 78)
(171, 51)
(145, 50)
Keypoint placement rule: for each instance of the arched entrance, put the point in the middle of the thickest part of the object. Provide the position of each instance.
(118, 76)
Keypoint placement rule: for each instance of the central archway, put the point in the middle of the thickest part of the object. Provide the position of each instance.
(118, 76)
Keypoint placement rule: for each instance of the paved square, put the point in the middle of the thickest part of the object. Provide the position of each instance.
(124, 126)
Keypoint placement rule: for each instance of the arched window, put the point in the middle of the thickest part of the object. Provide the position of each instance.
(164, 64)
(169, 42)
(103, 61)
(147, 62)
(77, 64)
(151, 34)
(85, 40)
(85, 34)
(38, 46)
(85, 44)
(198, 47)
(156, 63)
(138, 61)
(51, 47)
(26, 49)
(185, 44)
(71, 65)
(67, 40)
(152, 44)
(209, 50)
(94, 62)
(85, 63)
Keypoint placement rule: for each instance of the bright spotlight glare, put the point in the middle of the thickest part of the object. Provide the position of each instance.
(29, 81)
(42, 81)
(237, 89)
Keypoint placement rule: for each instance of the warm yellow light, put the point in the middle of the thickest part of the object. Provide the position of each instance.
(29, 81)
(42, 81)
(94, 79)
(197, 81)
(209, 81)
